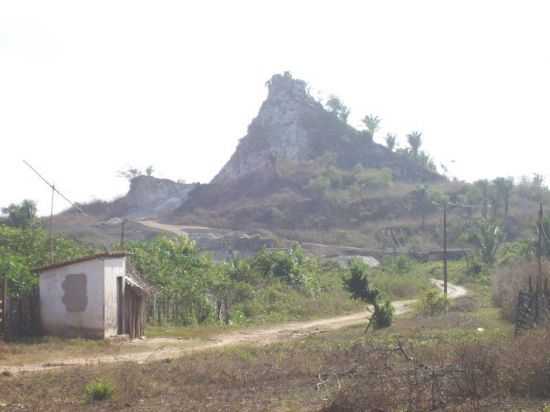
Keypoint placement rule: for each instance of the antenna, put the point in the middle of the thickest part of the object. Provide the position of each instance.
(54, 191)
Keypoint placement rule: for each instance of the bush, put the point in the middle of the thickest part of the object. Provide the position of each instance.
(470, 375)
(98, 390)
(383, 315)
(432, 303)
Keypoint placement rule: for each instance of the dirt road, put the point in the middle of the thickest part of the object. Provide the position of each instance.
(147, 350)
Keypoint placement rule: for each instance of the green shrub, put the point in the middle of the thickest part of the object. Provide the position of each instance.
(383, 315)
(432, 303)
(98, 390)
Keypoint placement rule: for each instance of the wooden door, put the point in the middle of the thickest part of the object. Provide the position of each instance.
(120, 305)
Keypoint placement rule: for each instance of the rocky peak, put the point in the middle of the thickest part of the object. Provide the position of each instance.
(276, 133)
(292, 126)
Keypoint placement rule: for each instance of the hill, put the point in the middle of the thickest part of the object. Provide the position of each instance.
(302, 173)
(301, 166)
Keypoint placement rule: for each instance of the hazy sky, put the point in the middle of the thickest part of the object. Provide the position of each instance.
(91, 87)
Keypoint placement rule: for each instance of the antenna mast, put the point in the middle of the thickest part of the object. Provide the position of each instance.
(54, 191)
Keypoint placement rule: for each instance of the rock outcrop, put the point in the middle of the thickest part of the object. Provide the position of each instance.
(293, 126)
(276, 133)
(149, 196)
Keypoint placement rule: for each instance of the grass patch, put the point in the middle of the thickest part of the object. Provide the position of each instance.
(99, 390)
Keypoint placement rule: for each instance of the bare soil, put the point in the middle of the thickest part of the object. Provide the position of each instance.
(148, 350)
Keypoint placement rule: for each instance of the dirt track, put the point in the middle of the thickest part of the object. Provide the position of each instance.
(166, 348)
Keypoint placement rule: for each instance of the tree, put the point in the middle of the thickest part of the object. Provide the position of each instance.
(358, 285)
(503, 190)
(23, 248)
(415, 141)
(149, 171)
(21, 215)
(487, 236)
(335, 105)
(130, 173)
(372, 123)
(484, 188)
(422, 202)
(391, 141)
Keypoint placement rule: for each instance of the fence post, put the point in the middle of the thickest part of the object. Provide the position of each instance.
(4, 307)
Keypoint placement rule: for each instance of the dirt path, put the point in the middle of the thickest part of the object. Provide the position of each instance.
(167, 348)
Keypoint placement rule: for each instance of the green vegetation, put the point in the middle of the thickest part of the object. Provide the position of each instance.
(273, 285)
(336, 106)
(358, 285)
(391, 141)
(99, 390)
(432, 303)
(372, 123)
(25, 248)
(22, 215)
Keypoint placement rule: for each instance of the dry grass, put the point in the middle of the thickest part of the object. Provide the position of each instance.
(507, 281)
(49, 349)
(336, 371)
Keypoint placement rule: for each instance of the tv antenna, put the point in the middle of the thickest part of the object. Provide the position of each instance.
(54, 191)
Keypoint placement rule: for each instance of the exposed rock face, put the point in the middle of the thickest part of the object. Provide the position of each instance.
(150, 196)
(277, 131)
(293, 126)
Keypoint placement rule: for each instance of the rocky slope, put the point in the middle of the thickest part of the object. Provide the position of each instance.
(292, 126)
(299, 169)
(277, 176)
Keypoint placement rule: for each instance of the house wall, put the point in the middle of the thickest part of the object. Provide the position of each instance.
(114, 268)
(72, 300)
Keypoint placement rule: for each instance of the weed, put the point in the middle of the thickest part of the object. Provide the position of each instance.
(432, 303)
(98, 390)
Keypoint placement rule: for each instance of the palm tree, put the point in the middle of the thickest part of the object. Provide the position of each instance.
(391, 141)
(372, 123)
(487, 235)
(415, 141)
(422, 202)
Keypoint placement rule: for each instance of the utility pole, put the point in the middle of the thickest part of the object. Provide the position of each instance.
(539, 247)
(4, 307)
(445, 249)
(122, 229)
(51, 227)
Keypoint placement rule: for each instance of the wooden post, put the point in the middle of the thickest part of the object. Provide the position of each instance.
(5, 307)
(540, 228)
(122, 228)
(445, 249)
(51, 228)
(538, 283)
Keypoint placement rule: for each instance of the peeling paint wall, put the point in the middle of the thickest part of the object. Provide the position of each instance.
(72, 300)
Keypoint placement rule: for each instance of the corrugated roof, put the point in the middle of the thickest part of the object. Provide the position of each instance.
(80, 260)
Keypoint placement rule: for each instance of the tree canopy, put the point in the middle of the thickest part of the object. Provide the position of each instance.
(21, 215)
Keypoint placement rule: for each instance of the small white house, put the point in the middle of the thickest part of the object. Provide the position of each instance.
(92, 297)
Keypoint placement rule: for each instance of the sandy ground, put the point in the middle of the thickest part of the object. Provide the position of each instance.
(168, 348)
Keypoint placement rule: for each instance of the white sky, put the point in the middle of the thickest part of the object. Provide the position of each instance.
(90, 87)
